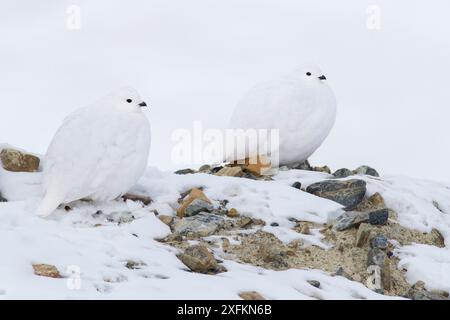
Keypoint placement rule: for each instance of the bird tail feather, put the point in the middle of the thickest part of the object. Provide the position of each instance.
(48, 205)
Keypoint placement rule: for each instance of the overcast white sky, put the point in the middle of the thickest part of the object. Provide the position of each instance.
(192, 60)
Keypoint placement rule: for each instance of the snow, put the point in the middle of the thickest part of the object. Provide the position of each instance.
(95, 243)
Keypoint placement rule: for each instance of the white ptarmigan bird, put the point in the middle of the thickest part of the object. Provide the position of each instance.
(98, 153)
(301, 105)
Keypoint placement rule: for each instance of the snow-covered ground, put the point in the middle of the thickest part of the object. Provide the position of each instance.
(99, 247)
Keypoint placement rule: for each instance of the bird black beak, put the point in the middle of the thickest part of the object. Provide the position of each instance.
(322, 77)
(142, 104)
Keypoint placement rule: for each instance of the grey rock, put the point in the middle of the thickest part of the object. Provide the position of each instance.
(206, 168)
(297, 185)
(380, 242)
(376, 257)
(350, 219)
(301, 166)
(2, 199)
(314, 283)
(342, 173)
(349, 193)
(197, 206)
(200, 225)
(184, 171)
(367, 171)
(342, 273)
(425, 295)
(379, 217)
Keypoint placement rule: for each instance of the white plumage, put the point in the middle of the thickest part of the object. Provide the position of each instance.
(301, 105)
(98, 153)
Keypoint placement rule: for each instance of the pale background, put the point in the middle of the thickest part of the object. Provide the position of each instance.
(192, 60)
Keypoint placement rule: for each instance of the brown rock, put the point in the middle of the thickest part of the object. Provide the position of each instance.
(16, 161)
(363, 235)
(233, 213)
(166, 219)
(199, 259)
(305, 229)
(193, 194)
(386, 274)
(135, 197)
(251, 295)
(324, 169)
(230, 172)
(46, 270)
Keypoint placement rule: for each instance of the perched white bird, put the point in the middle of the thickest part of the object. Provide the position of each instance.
(98, 153)
(301, 105)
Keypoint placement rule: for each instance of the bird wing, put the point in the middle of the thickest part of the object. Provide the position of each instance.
(81, 153)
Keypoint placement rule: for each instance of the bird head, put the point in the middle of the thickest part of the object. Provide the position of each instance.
(310, 73)
(127, 99)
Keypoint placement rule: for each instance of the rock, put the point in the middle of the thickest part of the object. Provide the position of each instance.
(342, 273)
(199, 259)
(438, 238)
(379, 217)
(342, 173)
(206, 168)
(200, 225)
(197, 206)
(305, 229)
(251, 295)
(46, 270)
(274, 224)
(301, 166)
(233, 213)
(166, 219)
(324, 169)
(184, 171)
(204, 204)
(424, 295)
(135, 197)
(350, 219)
(363, 235)
(258, 167)
(16, 161)
(380, 242)
(244, 222)
(376, 200)
(225, 244)
(2, 199)
(376, 257)
(418, 292)
(441, 293)
(349, 193)
(366, 170)
(297, 185)
(134, 265)
(272, 255)
(386, 274)
(314, 283)
(374, 280)
(230, 172)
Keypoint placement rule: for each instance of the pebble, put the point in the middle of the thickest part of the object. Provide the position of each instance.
(367, 171)
(185, 171)
(380, 242)
(314, 283)
(46, 270)
(297, 185)
(379, 217)
(342, 173)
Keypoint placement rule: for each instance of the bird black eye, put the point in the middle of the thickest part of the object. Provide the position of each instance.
(129, 100)
(308, 74)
